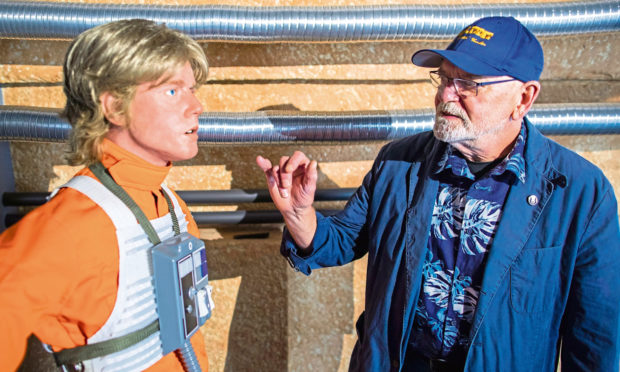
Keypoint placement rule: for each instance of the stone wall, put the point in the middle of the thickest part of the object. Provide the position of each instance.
(268, 317)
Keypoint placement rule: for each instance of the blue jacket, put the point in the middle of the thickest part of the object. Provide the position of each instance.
(551, 280)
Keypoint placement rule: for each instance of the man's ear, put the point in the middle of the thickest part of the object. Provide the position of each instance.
(111, 108)
(529, 93)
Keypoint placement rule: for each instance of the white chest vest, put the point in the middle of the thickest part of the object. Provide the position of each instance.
(135, 306)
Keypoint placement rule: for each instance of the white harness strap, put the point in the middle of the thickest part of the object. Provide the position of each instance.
(135, 306)
(118, 212)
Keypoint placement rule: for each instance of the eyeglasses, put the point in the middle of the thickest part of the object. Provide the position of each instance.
(464, 87)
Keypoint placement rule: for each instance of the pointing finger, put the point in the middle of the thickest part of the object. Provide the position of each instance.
(283, 190)
(286, 178)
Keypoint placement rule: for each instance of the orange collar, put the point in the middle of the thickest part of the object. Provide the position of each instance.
(130, 170)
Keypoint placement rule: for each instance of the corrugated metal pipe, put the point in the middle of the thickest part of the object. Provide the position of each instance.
(44, 125)
(49, 20)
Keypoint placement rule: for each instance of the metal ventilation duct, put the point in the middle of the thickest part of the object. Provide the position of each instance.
(27, 124)
(307, 24)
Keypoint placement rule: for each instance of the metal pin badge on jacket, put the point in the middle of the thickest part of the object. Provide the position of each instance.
(532, 200)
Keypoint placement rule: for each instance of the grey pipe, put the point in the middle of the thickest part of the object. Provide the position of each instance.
(307, 24)
(204, 219)
(192, 197)
(44, 125)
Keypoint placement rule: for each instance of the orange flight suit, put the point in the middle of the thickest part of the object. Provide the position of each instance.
(59, 264)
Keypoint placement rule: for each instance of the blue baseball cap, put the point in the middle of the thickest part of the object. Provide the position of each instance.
(491, 46)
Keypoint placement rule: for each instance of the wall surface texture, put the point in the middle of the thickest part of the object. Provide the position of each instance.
(268, 317)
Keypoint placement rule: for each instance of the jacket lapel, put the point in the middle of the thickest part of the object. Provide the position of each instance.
(520, 215)
(420, 202)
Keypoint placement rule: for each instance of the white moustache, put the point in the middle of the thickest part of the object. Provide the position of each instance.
(451, 108)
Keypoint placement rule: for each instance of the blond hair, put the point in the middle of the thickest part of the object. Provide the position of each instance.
(115, 58)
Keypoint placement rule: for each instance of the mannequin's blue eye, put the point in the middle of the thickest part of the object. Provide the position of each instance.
(171, 92)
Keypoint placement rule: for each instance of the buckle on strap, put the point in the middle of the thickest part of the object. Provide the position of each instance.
(72, 367)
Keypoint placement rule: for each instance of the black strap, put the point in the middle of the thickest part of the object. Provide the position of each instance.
(80, 353)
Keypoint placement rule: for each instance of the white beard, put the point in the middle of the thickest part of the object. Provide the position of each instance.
(453, 131)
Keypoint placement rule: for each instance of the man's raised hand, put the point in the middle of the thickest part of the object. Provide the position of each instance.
(292, 184)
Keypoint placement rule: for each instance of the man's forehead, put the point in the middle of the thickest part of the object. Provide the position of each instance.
(449, 69)
(174, 76)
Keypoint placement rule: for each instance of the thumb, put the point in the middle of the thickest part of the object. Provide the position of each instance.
(311, 176)
(263, 163)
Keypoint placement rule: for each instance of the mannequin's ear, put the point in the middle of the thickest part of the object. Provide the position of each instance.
(111, 107)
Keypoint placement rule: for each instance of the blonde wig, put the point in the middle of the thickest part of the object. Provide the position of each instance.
(115, 58)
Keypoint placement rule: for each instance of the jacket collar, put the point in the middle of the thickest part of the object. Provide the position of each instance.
(538, 156)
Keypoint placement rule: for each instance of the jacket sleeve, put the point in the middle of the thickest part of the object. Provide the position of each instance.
(591, 337)
(34, 277)
(338, 239)
(16, 325)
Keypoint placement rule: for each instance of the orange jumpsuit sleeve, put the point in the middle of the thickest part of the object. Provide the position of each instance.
(58, 278)
(47, 281)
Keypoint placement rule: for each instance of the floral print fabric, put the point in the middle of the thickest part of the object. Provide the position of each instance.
(466, 214)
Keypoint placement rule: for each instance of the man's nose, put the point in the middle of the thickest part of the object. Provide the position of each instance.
(194, 105)
(448, 92)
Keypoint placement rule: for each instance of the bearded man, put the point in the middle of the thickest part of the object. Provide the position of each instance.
(490, 247)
